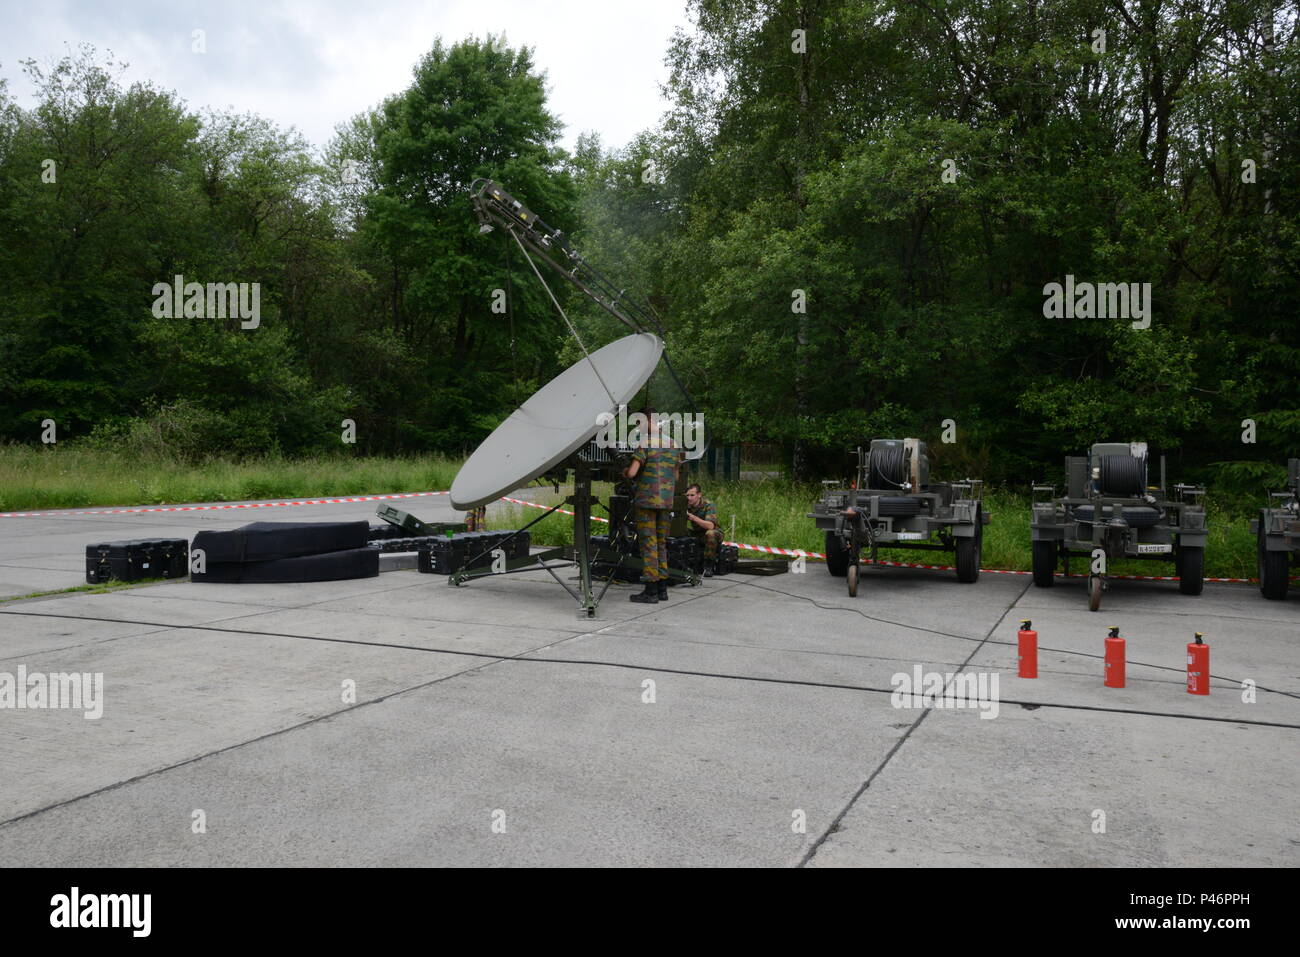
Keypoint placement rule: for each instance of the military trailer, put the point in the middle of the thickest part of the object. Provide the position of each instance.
(1110, 511)
(893, 504)
(1277, 532)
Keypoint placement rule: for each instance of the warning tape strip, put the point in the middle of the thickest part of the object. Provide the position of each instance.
(767, 549)
(801, 553)
(205, 508)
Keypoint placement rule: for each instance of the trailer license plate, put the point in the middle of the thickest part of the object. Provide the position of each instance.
(1154, 549)
(909, 535)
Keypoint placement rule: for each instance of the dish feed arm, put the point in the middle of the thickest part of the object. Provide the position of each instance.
(493, 207)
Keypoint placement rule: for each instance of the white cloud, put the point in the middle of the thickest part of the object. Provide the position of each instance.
(314, 65)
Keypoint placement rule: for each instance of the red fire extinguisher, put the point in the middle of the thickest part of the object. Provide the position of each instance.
(1198, 666)
(1028, 642)
(1114, 659)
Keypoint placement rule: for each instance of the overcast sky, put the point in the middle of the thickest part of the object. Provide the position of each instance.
(315, 64)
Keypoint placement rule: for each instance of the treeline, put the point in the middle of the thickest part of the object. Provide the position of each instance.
(847, 220)
(373, 286)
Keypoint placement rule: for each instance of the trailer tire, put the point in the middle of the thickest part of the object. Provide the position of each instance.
(837, 559)
(1190, 564)
(1044, 564)
(1271, 566)
(968, 552)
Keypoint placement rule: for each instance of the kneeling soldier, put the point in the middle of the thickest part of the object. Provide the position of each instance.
(704, 524)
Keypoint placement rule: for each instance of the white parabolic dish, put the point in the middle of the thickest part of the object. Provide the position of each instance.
(558, 419)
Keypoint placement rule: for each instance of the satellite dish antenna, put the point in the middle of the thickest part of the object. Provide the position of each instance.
(559, 419)
(546, 435)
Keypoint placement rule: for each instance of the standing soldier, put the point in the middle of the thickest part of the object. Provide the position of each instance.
(655, 465)
(476, 519)
(704, 524)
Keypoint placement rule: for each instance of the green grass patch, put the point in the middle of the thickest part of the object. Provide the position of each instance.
(67, 476)
(96, 589)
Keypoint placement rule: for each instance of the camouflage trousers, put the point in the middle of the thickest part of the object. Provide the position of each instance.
(712, 539)
(476, 519)
(652, 534)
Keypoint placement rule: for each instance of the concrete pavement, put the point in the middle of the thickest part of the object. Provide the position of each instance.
(749, 721)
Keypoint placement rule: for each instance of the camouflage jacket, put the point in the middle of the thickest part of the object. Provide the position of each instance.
(656, 482)
(706, 511)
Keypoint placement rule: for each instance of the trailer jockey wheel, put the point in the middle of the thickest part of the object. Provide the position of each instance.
(1094, 592)
(852, 575)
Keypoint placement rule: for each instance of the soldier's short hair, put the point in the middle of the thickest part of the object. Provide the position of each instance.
(696, 486)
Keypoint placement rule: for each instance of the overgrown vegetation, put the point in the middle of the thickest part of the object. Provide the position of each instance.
(847, 222)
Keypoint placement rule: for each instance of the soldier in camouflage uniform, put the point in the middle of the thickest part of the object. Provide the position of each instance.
(704, 524)
(476, 519)
(654, 465)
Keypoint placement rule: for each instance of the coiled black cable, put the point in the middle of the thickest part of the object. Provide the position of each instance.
(887, 467)
(1122, 475)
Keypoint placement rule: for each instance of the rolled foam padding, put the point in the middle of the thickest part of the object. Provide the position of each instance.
(329, 567)
(267, 541)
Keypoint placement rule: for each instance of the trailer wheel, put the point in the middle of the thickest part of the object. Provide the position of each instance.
(968, 552)
(1044, 563)
(1190, 564)
(1271, 566)
(837, 559)
(1094, 592)
(852, 575)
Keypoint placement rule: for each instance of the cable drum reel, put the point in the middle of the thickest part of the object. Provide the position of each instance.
(1110, 506)
(892, 504)
(896, 466)
(1120, 475)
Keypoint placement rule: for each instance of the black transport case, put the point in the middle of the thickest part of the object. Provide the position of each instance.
(136, 560)
(442, 556)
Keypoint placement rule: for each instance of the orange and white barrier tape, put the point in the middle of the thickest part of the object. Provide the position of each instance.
(205, 508)
(766, 549)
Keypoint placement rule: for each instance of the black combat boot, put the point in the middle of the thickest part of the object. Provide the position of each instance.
(650, 596)
(663, 591)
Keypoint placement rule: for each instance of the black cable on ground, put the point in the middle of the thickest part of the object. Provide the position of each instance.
(995, 641)
(658, 669)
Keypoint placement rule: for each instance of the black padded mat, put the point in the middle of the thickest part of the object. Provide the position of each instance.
(331, 566)
(267, 541)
